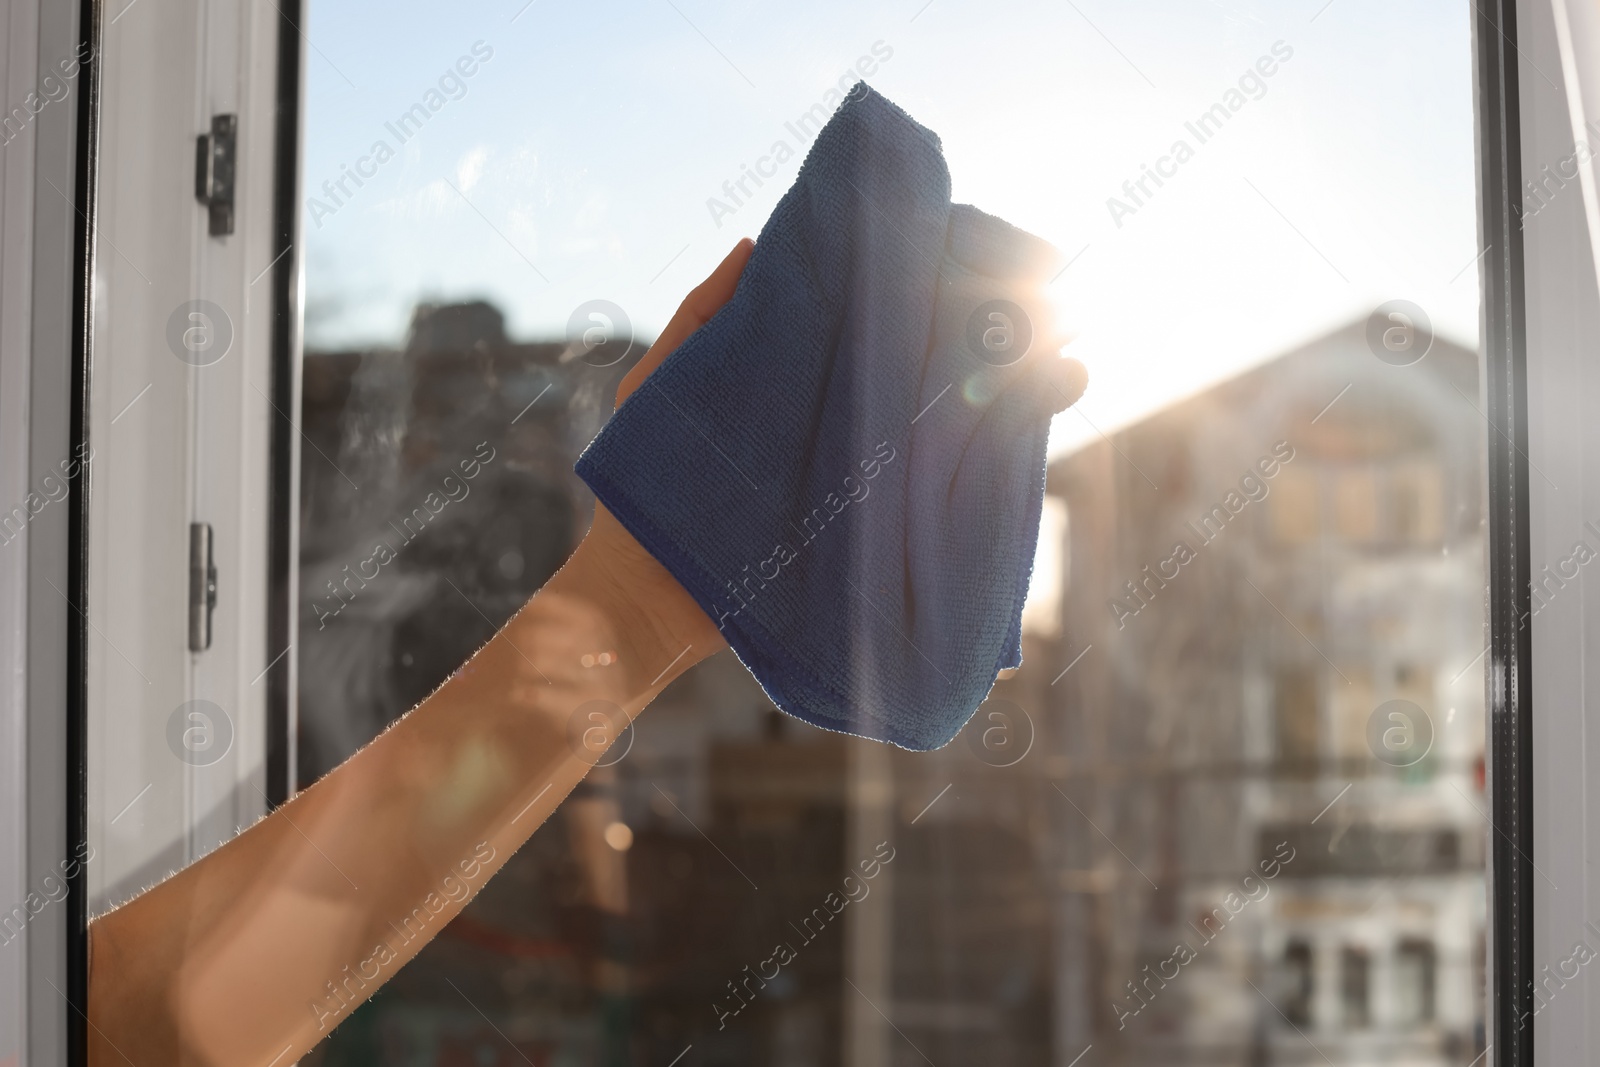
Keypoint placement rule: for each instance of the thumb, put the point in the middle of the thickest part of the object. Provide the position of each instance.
(1062, 381)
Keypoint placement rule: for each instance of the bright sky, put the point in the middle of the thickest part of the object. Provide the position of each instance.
(590, 141)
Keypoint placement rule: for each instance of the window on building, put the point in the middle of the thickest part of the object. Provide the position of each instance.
(1295, 712)
(1295, 510)
(1356, 504)
(1416, 502)
(1355, 975)
(1299, 982)
(1415, 963)
(1354, 698)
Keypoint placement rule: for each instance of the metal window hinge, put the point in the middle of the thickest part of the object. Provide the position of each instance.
(202, 586)
(214, 155)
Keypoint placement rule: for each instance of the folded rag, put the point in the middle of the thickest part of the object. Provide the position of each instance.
(845, 465)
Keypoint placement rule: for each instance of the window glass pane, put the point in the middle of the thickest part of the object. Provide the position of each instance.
(1229, 810)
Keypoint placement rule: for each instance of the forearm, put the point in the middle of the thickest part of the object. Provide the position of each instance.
(260, 948)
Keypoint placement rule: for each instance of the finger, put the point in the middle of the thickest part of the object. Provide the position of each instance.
(1029, 402)
(1048, 337)
(1032, 317)
(703, 301)
(1064, 380)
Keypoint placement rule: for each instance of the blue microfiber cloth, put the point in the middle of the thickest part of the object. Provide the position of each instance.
(845, 465)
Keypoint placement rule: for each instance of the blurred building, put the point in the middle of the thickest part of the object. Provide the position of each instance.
(1253, 574)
